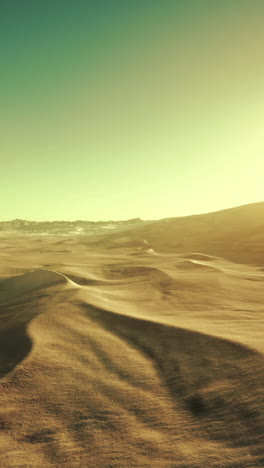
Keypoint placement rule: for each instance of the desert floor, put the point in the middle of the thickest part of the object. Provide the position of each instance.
(123, 356)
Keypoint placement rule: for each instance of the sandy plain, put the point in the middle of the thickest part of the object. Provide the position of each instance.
(140, 345)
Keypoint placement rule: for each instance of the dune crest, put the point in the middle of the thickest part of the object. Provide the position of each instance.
(190, 264)
(21, 285)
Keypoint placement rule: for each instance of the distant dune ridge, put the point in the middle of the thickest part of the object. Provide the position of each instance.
(136, 347)
(236, 233)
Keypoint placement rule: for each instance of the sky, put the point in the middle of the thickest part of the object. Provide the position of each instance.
(115, 109)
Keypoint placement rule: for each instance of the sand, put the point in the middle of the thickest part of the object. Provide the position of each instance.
(138, 346)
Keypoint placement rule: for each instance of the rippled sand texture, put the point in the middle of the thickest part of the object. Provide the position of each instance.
(115, 353)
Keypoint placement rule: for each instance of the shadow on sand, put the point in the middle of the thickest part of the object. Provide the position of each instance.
(15, 345)
(218, 381)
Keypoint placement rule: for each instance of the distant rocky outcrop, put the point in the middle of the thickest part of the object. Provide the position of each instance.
(64, 227)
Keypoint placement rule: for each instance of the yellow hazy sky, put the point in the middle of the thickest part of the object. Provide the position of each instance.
(113, 109)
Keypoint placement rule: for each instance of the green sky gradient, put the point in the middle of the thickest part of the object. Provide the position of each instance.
(113, 109)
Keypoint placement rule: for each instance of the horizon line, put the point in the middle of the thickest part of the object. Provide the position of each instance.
(128, 219)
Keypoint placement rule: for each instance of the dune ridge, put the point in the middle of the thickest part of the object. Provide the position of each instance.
(21, 285)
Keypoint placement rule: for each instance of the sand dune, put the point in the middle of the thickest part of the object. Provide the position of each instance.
(236, 234)
(114, 357)
(22, 285)
(190, 264)
(205, 388)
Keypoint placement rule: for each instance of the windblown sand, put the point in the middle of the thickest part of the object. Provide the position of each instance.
(128, 357)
